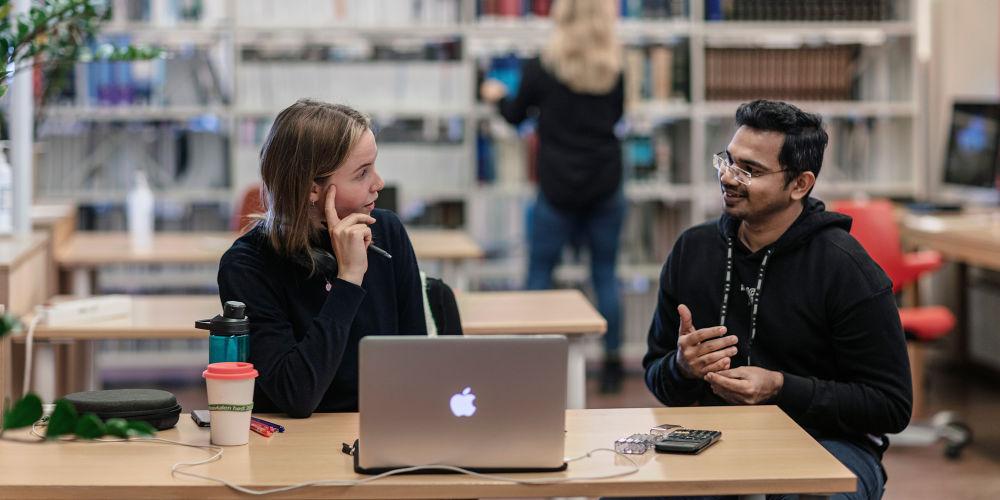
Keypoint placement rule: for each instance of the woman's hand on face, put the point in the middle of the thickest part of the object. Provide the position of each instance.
(350, 238)
(492, 90)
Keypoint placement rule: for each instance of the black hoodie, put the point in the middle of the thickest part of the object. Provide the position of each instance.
(827, 319)
(305, 327)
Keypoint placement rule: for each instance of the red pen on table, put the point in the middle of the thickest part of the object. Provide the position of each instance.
(262, 429)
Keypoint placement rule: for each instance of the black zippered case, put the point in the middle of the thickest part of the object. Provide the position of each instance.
(157, 407)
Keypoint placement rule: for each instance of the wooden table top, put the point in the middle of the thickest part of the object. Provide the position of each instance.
(761, 451)
(483, 313)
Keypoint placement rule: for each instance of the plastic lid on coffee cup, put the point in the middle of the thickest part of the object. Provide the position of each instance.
(230, 370)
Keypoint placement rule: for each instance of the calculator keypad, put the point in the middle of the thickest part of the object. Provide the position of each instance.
(687, 440)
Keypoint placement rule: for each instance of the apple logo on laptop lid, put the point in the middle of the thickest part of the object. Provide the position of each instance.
(463, 403)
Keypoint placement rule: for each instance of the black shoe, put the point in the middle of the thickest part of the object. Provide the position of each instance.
(611, 376)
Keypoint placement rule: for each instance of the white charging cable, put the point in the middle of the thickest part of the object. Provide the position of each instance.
(178, 469)
(29, 343)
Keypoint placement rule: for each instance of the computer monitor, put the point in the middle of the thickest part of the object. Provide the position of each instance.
(974, 145)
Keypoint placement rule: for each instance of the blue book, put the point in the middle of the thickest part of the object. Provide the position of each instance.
(713, 10)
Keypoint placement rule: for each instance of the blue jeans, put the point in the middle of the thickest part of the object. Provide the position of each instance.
(599, 227)
(861, 462)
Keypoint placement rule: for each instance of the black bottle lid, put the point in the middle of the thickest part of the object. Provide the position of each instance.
(233, 321)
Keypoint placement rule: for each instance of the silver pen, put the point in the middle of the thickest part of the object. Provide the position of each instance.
(379, 251)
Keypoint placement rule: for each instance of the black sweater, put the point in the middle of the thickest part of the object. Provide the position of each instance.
(827, 320)
(579, 156)
(303, 339)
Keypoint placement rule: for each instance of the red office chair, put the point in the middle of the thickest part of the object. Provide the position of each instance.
(252, 202)
(876, 229)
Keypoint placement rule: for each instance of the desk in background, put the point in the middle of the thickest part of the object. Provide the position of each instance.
(787, 461)
(968, 239)
(565, 312)
(87, 251)
(972, 239)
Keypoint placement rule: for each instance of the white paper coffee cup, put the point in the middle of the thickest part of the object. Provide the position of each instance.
(230, 401)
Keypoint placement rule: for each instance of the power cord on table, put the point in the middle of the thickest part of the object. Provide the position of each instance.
(179, 468)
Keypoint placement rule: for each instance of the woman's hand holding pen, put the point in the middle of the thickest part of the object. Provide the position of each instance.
(350, 238)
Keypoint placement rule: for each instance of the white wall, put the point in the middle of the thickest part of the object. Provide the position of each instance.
(965, 62)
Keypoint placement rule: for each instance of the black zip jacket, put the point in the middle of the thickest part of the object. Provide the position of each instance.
(827, 319)
(304, 339)
(579, 156)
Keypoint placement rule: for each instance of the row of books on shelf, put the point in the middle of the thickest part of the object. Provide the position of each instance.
(170, 215)
(378, 85)
(645, 9)
(103, 158)
(393, 13)
(167, 12)
(656, 72)
(190, 78)
(443, 48)
(352, 13)
(800, 10)
(807, 73)
(487, 9)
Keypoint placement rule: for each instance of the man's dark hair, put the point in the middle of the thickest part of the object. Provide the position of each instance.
(805, 138)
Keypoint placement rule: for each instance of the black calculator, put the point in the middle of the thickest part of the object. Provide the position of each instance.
(687, 441)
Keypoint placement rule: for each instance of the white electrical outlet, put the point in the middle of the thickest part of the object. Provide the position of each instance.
(88, 310)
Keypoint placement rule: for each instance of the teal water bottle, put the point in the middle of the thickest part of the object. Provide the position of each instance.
(228, 334)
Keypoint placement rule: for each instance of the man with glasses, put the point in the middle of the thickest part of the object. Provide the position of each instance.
(776, 303)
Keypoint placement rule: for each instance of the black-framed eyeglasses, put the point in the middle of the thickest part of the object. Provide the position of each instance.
(722, 162)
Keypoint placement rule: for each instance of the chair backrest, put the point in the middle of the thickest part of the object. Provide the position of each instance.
(876, 229)
(444, 307)
(252, 202)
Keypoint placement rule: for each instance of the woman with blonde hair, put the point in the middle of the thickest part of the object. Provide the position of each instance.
(576, 89)
(311, 280)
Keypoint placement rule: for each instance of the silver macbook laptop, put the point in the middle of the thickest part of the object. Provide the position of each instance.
(487, 403)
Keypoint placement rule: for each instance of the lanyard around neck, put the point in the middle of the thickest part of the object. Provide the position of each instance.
(755, 297)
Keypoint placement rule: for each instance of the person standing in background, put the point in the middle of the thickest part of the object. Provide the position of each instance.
(576, 89)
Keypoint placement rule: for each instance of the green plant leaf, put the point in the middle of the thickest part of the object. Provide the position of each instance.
(62, 421)
(24, 412)
(7, 322)
(89, 426)
(22, 30)
(116, 427)
(140, 428)
(38, 16)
